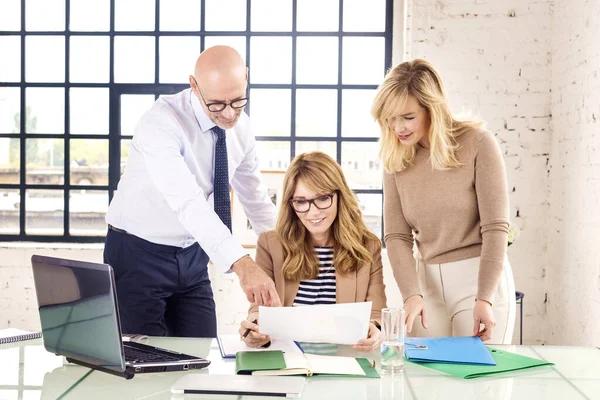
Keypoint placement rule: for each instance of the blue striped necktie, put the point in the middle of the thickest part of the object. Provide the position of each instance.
(221, 182)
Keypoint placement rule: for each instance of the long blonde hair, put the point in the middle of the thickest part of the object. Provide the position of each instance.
(417, 78)
(323, 175)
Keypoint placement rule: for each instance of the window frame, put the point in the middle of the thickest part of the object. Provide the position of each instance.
(116, 90)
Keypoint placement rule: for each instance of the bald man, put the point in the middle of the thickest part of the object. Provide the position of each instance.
(171, 213)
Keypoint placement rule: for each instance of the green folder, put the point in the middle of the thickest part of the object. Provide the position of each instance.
(505, 361)
(246, 362)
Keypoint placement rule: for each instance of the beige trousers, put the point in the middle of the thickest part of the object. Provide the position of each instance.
(449, 291)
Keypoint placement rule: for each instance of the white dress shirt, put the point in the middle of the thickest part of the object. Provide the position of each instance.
(165, 195)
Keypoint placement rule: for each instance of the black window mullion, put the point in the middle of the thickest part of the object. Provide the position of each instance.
(23, 124)
(156, 41)
(114, 143)
(67, 124)
(339, 91)
(294, 87)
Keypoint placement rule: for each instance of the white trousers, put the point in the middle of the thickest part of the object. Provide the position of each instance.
(449, 291)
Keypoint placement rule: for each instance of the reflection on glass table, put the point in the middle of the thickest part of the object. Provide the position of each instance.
(575, 376)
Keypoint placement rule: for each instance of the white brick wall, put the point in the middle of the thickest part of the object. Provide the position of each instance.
(495, 59)
(574, 223)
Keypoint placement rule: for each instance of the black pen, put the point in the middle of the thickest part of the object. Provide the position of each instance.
(248, 331)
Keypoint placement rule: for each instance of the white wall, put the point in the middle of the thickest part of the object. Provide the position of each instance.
(495, 59)
(574, 223)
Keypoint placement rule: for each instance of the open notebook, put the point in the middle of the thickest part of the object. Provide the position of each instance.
(279, 363)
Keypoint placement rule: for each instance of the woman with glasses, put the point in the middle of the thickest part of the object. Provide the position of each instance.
(445, 190)
(320, 252)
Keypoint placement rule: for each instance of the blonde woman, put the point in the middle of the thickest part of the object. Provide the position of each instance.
(445, 190)
(320, 252)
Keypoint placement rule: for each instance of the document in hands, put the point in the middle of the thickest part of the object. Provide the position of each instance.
(229, 345)
(333, 323)
(278, 363)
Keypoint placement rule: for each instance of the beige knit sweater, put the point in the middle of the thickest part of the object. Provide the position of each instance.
(454, 214)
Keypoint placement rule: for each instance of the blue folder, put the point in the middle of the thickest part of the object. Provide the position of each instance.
(457, 350)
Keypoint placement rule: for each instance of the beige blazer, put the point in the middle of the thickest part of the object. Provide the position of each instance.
(366, 284)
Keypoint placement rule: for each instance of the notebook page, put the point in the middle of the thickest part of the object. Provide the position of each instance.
(333, 365)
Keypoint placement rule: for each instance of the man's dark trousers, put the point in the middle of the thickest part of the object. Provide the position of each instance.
(162, 290)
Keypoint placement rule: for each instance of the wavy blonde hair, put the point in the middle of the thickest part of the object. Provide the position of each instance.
(322, 174)
(417, 78)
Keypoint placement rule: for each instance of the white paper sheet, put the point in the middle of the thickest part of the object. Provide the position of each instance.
(335, 323)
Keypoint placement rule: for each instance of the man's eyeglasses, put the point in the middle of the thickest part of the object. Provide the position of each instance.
(321, 202)
(221, 105)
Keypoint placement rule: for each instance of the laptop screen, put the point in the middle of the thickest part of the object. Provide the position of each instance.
(78, 311)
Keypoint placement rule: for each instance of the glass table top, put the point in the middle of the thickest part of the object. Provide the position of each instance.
(28, 371)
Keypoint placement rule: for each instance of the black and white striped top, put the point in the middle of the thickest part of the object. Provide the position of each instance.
(322, 289)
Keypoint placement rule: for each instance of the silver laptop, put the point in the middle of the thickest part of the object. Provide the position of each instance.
(80, 320)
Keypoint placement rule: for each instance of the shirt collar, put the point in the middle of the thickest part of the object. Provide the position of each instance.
(205, 123)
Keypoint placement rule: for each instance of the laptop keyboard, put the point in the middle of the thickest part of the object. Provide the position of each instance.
(136, 355)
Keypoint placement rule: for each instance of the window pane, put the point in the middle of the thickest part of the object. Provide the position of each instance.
(45, 15)
(180, 15)
(89, 16)
(361, 166)
(45, 58)
(318, 15)
(10, 106)
(262, 15)
(362, 16)
(89, 59)
(329, 148)
(133, 106)
(178, 57)
(44, 212)
(89, 162)
(271, 59)
(89, 111)
(316, 112)
(10, 67)
(270, 110)
(237, 42)
(87, 209)
(363, 59)
(273, 156)
(10, 157)
(134, 59)
(356, 113)
(10, 17)
(125, 146)
(225, 15)
(44, 161)
(10, 200)
(45, 110)
(134, 15)
(317, 60)
(371, 206)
